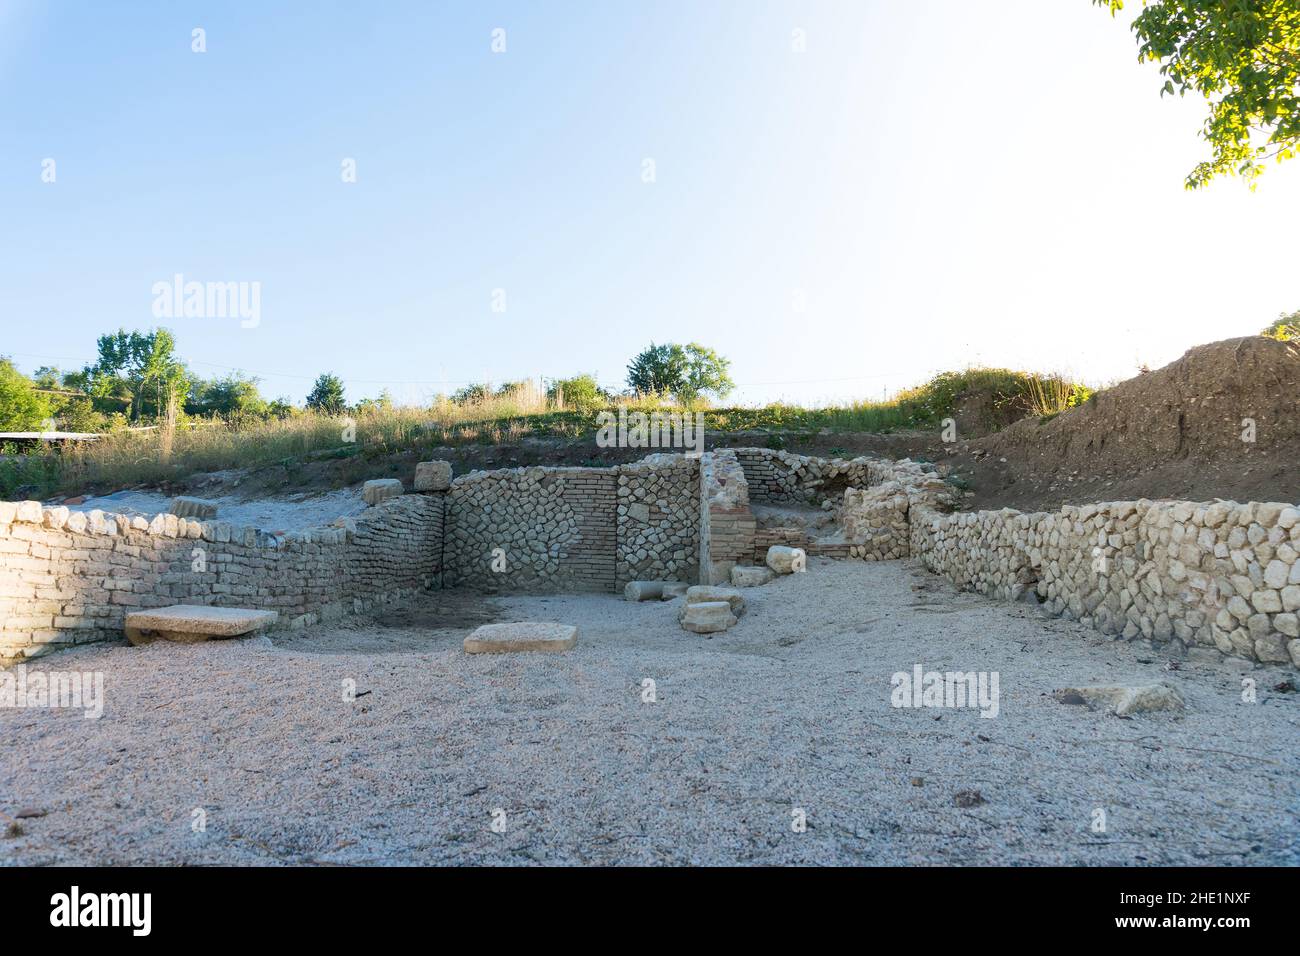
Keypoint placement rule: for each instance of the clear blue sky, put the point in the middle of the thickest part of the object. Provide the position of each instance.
(939, 182)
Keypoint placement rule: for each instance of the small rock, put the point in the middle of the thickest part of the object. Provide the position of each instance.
(380, 489)
(707, 617)
(644, 591)
(785, 560)
(968, 798)
(196, 508)
(743, 576)
(1124, 701)
(433, 476)
(707, 593)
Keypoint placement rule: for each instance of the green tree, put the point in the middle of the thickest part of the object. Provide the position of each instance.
(1243, 56)
(327, 395)
(1285, 329)
(141, 366)
(235, 396)
(582, 392)
(473, 394)
(22, 409)
(685, 372)
(383, 403)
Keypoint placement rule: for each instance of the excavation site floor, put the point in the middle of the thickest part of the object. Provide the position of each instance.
(379, 741)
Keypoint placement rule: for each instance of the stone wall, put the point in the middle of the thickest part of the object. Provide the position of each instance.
(726, 523)
(1211, 579)
(866, 502)
(70, 578)
(779, 477)
(533, 529)
(658, 519)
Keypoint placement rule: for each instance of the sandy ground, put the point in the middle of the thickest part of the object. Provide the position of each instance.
(296, 512)
(790, 710)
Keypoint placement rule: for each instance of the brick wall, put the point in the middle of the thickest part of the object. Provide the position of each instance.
(70, 578)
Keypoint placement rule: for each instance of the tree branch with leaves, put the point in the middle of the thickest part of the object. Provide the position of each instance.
(1243, 57)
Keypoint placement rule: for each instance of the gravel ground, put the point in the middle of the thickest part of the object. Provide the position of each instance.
(296, 512)
(790, 710)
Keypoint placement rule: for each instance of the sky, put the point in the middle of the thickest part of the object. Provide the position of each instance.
(843, 198)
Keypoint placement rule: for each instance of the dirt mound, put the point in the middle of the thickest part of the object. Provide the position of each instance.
(1222, 421)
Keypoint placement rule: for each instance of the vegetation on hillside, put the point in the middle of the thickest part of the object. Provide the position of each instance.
(505, 415)
(1285, 329)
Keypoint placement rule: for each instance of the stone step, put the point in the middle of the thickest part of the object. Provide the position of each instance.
(521, 636)
(191, 623)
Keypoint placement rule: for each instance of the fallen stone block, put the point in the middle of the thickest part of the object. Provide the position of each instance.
(644, 591)
(750, 577)
(197, 508)
(380, 489)
(521, 636)
(707, 593)
(192, 623)
(1122, 700)
(707, 617)
(785, 560)
(433, 476)
(675, 589)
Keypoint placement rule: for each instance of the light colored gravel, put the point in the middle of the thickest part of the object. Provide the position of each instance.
(296, 512)
(789, 709)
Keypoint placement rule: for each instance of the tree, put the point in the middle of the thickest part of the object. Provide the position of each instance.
(582, 392)
(383, 403)
(1285, 329)
(141, 366)
(235, 396)
(475, 393)
(1243, 56)
(327, 395)
(685, 372)
(659, 370)
(22, 409)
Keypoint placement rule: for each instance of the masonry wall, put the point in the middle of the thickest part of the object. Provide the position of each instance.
(779, 477)
(1218, 578)
(71, 578)
(1222, 577)
(658, 519)
(554, 528)
(727, 525)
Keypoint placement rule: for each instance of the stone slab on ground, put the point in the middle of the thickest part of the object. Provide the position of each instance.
(197, 508)
(708, 593)
(744, 576)
(521, 636)
(381, 489)
(191, 623)
(707, 617)
(1123, 700)
(432, 476)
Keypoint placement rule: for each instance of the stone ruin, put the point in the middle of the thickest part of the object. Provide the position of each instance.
(1206, 579)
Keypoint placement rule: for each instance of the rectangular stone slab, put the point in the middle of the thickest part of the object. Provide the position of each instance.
(521, 636)
(197, 619)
